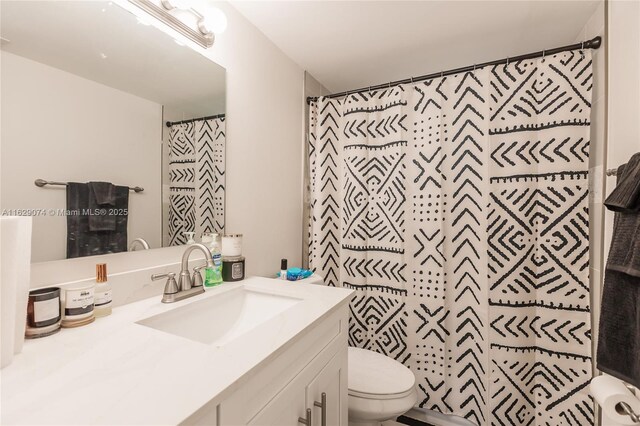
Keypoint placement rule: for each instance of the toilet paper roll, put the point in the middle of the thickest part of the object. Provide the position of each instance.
(608, 392)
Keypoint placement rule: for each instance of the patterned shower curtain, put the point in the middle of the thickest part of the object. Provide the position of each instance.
(457, 210)
(197, 178)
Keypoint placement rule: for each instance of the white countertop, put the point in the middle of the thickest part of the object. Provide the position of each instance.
(115, 371)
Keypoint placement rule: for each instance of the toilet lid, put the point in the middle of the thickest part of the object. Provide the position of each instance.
(371, 373)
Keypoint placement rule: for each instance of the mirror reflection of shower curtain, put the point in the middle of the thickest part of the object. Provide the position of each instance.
(196, 178)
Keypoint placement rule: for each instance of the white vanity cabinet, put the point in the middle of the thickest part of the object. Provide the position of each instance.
(279, 392)
(156, 367)
(305, 392)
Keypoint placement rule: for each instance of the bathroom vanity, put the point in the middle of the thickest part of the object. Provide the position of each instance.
(259, 352)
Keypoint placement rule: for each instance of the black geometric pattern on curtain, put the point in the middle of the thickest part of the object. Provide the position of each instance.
(457, 210)
(197, 178)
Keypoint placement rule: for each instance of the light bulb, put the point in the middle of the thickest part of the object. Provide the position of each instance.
(214, 20)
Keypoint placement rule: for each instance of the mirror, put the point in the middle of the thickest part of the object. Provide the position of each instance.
(91, 93)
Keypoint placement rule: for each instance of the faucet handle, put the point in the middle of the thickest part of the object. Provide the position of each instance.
(171, 287)
(156, 277)
(197, 277)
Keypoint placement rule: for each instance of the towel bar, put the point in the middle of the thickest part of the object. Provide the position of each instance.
(42, 182)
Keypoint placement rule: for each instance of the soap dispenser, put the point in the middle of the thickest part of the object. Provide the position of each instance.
(190, 237)
(213, 275)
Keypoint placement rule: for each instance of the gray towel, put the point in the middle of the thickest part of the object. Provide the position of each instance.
(624, 254)
(81, 240)
(619, 333)
(104, 192)
(102, 202)
(626, 195)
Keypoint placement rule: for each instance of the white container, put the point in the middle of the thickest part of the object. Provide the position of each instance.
(77, 302)
(231, 245)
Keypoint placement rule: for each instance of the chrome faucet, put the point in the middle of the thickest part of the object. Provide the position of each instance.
(139, 241)
(184, 280)
(186, 286)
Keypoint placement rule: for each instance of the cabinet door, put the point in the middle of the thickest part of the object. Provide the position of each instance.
(332, 381)
(283, 410)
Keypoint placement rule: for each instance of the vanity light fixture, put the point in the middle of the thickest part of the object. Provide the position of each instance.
(211, 20)
(203, 35)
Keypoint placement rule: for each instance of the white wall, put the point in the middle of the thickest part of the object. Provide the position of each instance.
(624, 89)
(596, 27)
(58, 126)
(264, 146)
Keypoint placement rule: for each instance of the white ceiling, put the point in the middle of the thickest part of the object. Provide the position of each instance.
(100, 41)
(353, 44)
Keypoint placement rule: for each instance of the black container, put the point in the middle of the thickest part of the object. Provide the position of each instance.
(232, 268)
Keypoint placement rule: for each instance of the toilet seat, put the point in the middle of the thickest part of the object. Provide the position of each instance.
(378, 377)
(382, 397)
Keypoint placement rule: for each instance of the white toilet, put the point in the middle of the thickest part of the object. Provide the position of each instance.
(380, 388)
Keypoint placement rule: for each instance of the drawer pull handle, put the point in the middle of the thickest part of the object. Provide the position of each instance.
(323, 407)
(307, 421)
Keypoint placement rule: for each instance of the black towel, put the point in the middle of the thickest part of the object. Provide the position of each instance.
(626, 195)
(103, 192)
(619, 334)
(102, 201)
(81, 240)
(624, 254)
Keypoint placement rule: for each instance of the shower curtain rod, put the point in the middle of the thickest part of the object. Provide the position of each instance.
(594, 43)
(191, 120)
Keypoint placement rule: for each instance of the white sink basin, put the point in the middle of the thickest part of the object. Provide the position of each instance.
(219, 319)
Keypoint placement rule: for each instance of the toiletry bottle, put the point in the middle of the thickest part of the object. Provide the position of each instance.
(213, 275)
(190, 237)
(207, 239)
(283, 269)
(103, 294)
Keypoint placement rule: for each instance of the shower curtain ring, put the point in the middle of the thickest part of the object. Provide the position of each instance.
(474, 68)
(507, 60)
(544, 52)
(411, 80)
(582, 46)
(441, 74)
(389, 85)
